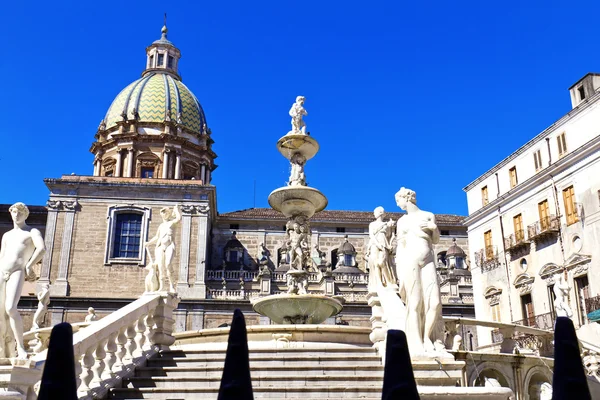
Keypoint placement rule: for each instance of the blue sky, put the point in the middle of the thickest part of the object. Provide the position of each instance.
(427, 95)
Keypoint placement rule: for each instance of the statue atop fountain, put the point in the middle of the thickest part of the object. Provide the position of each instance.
(297, 112)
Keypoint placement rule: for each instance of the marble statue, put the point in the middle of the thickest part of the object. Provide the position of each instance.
(457, 343)
(545, 391)
(91, 315)
(561, 297)
(22, 247)
(263, 256)
(43, 297)
(298, 239)
(165, 247)
(297, 112)
(416, 233)
(590, 363)
(297, 177)
(379, 249)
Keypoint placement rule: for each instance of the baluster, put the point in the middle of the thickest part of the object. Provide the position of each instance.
(140, 337)
(111, 358)
(130, 345)
(150, 332)
(78, 370)
(121, 351)
(87, 362)
(99, 365)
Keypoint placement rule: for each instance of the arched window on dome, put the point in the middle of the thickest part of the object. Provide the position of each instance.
(190, 170)
(109, 167)
(147, 165)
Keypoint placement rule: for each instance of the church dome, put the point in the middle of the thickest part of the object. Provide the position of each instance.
(156, 97)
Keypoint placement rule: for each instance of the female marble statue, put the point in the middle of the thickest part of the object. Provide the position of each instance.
(165, 247)
(416, 234)
(22, 248)
(561, 297)
(379, 249)
(43, 297)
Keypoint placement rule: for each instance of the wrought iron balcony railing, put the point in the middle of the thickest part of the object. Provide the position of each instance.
(542, 321)
(487, 258)
(515, 240)
(546, 226)
(592, 304)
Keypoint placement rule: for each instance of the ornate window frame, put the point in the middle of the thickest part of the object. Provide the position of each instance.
(492, 294)
(147, 160)
(111, 219)
(524, 283)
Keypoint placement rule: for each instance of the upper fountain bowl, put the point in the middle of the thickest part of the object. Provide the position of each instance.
(297, 200)
(293, 143)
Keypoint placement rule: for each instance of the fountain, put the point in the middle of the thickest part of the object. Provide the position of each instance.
(298, 202)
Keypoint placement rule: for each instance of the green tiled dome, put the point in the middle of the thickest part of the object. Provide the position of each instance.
(152, 96)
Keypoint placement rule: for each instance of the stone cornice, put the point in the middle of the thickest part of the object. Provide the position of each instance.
(557, 124)
(537, 179)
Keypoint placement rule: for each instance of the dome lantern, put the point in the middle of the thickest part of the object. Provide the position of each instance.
(162, 55)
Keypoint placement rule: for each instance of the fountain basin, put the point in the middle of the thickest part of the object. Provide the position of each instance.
(296, 200)
(293, 143)
(297, 308)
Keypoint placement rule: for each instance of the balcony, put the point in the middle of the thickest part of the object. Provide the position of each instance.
(592, 304)
(487, 258)
(542, 321)
(516, 241)
(544, 228)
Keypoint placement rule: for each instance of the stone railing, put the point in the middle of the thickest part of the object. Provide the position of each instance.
(218, 275)
(354, 278)
(109, 349)
(487, 258)
(220, 294)
(546, 226)
(36, 340)
(515, 240)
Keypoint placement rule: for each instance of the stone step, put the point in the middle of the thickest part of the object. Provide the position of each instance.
(281, 381)
(201, 360)
(260, 371)
(283, 350)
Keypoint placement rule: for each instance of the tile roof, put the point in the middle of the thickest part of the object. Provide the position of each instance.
(331, 216)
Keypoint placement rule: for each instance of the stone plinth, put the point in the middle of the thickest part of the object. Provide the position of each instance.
(18, 377)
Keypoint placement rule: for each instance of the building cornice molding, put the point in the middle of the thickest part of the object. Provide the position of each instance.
(536, 180)
(583, 106)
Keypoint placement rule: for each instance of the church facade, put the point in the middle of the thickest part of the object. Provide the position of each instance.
(153, 149)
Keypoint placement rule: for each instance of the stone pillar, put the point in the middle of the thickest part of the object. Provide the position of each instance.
(130, 162)
(53, 207)
(197, 320)
(162, 337)
(118, 167)
(328, 285)
(203, 173)
(178, 165)
(165, 170)
(184, 257)
(264, 279)
(378, 327)
(180, 320)
(97, 167)
(61, 286)
(207, 176)
(203, 232)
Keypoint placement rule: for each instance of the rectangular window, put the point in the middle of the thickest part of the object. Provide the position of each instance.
(518, 224)
(340, 230)
(147, 172)
(582, 291)
(170, 62)
(151, 63)
(489, 248)
(543, 210)
(513, 177)
(233, 256)
(161, 59)
(484, 196)
(570, 208)
(581, 92)
(128, 230)
(234, 226)
(348, 260)
(551, 298)
(496, 313)
(527, 309)
(562, 144)
(444, 233)
(537, 160)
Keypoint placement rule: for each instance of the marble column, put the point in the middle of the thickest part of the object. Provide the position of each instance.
(130, 162)
(53, 207)
(165, 170)
(184, 258)
(96, 167)
(203, 173)
(178, 165)
(207, 176)
(118, 167)
(61, 286)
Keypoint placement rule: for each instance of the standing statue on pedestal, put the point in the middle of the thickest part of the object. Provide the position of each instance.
(43, 297)
(379, 249)
(416, 234)
(262, 257)
(22, 248)
(561, 297)
(165, 247)
(297, 112)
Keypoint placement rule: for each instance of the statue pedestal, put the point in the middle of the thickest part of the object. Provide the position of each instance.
(18, 377)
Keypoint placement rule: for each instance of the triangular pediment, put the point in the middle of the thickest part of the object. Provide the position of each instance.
(577, 259)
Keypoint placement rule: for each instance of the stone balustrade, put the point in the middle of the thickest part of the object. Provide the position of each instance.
(109, 349)
(220, 294)
(218, 275)
(36, 340)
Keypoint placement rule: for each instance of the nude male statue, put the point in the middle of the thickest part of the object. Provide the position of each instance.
(165, 247)
(22, 247)
(297, 112)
